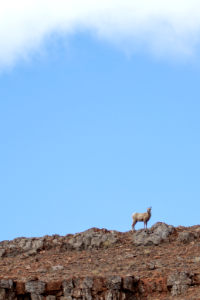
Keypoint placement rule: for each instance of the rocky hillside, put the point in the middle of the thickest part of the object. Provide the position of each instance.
(162, 262)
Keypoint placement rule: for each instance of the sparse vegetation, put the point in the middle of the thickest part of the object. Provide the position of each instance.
(106, 244)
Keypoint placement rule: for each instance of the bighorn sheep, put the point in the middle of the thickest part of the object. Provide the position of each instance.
(141, 217)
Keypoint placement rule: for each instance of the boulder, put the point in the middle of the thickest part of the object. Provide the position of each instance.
(179, 282)
(90, 239)
(153, 236)
(68, 287)
(113, 282)
(6, 284)
(37, 287)
(128, 283)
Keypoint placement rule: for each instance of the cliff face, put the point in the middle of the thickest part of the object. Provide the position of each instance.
(162, 262)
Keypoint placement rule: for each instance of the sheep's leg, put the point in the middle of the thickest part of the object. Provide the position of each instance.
(133, 225)
(145, 223)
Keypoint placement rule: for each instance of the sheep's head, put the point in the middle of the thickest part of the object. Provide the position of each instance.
(149, 209)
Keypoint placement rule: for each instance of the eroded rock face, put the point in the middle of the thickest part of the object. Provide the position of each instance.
(91, 239)
(179, 282)
(153, 236)
(85, 288)
(51, 268)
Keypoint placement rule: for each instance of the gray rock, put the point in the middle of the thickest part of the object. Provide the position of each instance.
(151, 265)
(96, 242)
(17, 240)
(68, 288)
(179, 282)
(152, 236)
(112, 295)
(86, 283)
(37, 244)
(11, 247)
(27, 246)
(2, 251)
(6, 244)
(2, 294)
(57, 268)
(90, 239)
(162, 229)
(185, 237)
(6, 284)
(55, 236)
(37, 287)
(128, 283)
(22, 242)
(43, 238)
(113, 282)
(75, 243)
(86, 294)
(136, 279)
(77, 293)
(86, 241)
(30, 253)
(109, 239)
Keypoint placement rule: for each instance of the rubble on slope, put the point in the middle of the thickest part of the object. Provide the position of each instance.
(162, 262)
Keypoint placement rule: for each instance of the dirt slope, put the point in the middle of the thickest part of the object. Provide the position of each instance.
(162, 262)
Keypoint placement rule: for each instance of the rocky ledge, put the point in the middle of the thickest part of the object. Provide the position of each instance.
(162, 262)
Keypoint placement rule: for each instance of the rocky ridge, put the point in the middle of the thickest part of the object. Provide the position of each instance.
(162, 262)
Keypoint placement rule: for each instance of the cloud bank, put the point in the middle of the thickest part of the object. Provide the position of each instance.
(164, 27)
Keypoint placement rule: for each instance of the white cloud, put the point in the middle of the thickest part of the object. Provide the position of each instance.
(161, 26)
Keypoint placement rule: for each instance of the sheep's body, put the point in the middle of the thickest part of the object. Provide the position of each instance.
(141, 217)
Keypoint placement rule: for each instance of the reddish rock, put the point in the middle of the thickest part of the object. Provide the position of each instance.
(97, 284)
(20, 288)
(116, 271)
(53, 286)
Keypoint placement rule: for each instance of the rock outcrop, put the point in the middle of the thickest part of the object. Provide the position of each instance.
(153, 236)
(162, 262)
(91, 239)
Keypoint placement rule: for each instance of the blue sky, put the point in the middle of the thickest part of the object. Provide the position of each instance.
(93, 130)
